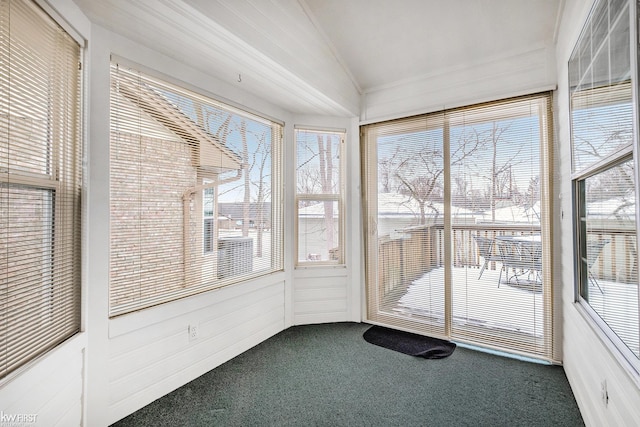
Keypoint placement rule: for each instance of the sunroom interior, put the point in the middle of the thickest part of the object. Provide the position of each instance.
(192, 177)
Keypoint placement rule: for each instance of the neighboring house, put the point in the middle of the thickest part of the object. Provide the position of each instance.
(162, 171)
(234, 212)
(226, 223)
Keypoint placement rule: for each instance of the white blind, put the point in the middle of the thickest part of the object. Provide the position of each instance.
(603, 135)
(319, 190)
(40, 182)
(196, 187)
(458, 224)
(404, 176)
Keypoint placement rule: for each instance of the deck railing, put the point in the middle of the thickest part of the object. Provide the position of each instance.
(408, 254)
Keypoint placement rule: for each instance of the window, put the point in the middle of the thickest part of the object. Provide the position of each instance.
(208, 225)
(319, 190)
(458, 224)
(604, 174)
(196, 190)
(40, 184)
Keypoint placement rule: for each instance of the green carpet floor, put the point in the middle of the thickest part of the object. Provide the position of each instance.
(328, 375)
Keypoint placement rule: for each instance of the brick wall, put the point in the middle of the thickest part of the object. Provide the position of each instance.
(148, 179)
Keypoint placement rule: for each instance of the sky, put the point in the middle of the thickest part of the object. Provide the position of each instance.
(518, 145)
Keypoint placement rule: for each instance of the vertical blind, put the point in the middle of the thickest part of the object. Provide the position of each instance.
(196, 188)
(458, 229)
(40, 183)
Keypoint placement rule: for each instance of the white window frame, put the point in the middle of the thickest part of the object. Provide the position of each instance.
(212, 229)
(338, 256)
(209, 165)
(56, 282)
(610, 160)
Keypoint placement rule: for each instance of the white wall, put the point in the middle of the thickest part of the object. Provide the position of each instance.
(333, 293)
(525, 73)
(150, 354)
(137, 358)
(588, 359)
(119, 365)
(51, 389)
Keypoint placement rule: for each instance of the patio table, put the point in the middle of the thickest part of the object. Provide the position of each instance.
(522, 255)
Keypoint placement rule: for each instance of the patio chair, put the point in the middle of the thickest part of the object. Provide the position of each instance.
(485, 250)
(594, 249)
(521, 257)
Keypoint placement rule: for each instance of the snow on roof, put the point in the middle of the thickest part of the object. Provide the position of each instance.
(514, 213)
(392, 205)
(618, 207)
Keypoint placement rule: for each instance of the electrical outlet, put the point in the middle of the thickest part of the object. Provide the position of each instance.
(193, 332)
(604, 393)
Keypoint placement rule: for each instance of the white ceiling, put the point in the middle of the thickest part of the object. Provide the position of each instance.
(319, 56)
(383, 42)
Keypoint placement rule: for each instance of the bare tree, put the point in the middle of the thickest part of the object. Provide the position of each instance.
(246, 202)
(419, 171)
(615, 185)
(316, 175)
(501, 168)
(260, 157)
(612, 135)
(326, 177)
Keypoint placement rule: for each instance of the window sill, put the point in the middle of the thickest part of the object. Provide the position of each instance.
(317, 265)
(135, 320)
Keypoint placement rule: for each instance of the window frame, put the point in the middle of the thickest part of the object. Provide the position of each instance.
(58, 185)
(579, 175)
(210, 170)
(320, 197)
(385, 275)
(209, 232)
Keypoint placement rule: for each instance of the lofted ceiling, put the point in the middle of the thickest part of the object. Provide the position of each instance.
(321, 56)
(384, 42)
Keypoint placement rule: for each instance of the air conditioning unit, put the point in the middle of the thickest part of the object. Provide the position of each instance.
(235, 256)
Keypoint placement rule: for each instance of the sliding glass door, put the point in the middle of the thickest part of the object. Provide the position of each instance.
(404, 169)
(457, 224)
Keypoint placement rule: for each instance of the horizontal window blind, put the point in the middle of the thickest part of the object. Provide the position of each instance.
(600, 86)
(195, 193)
(404, 175)
(319, 192)
(501, 154)
(603, 135)
(458, 229)
(40, 183)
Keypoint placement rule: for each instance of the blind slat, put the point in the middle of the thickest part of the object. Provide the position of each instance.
(39, 184)
(448, 194)
(167, 144)
(604, 173)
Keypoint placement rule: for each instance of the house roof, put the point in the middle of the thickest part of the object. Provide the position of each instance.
(394, 205)
(209, 153)
(235, 211)
(391, 205)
